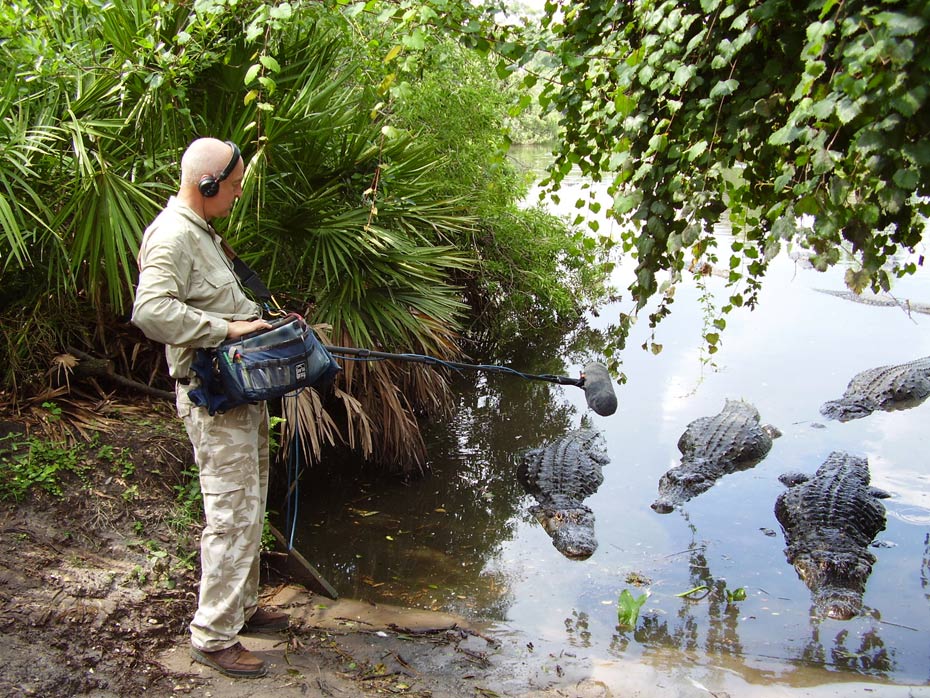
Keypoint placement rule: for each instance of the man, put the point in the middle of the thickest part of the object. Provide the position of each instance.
(189, 297)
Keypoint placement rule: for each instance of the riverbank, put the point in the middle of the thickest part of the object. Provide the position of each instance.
(98, 583)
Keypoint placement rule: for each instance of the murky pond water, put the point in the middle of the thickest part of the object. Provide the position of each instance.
(462, 539)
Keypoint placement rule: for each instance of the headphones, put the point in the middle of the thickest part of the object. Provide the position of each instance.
(209, 185)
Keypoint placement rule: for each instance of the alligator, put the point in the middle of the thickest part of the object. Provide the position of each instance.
(712, 447)
(828, 521)
(887, 388)
(879, 299)
(559, 476)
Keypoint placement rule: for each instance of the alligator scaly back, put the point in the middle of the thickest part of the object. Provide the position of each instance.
(887, 388)
(560, 475)
(829, 521)
(711, 447)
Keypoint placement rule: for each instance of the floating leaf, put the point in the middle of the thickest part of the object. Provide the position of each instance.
(693, 590)
(628, 608)
(738, 594)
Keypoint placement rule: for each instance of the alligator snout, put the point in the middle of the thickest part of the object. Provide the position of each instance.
(838, 604)
(662, 507)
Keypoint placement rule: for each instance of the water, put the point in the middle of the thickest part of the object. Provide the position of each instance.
(461, 539)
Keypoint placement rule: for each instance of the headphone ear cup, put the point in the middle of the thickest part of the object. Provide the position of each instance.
(209, 186)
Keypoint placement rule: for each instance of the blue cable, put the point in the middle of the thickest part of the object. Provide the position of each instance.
(293, 490)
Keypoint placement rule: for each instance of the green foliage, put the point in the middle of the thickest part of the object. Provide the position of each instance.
(628, 608)
(529, 267)
(756, 113)
(119, 457)
(798, 125)
(189, 499)
(30, 463)
(358, 207)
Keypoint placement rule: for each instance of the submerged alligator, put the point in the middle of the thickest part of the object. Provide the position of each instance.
(829, 521)
(887, 388)
(559, 476)
(711, 447)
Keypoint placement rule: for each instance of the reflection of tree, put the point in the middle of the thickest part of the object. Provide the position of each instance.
(431, 539)
(576, 628)
(871, 657)
(925, 568)
(721, 636)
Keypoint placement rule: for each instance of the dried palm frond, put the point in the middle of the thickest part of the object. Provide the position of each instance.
(305, 419)
(61, 369)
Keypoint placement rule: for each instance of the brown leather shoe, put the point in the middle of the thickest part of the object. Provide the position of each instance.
(235, 661)
(266, 620)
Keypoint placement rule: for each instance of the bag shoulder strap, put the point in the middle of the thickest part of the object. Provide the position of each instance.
(252, 281)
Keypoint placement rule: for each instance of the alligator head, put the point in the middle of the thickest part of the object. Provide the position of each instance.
(836, 579)
(847, 409)
(680, 484)
(571, 527)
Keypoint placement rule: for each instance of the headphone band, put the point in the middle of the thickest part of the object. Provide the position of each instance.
(209, 185)
(231, 165)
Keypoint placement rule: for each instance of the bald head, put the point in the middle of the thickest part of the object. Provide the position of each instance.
(205, 156)
(210, 157)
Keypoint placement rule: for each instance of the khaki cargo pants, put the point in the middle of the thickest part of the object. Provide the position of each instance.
(231, 453)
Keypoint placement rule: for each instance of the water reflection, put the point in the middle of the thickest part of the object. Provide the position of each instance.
(713, 631)
(461, 539)
(426, 542)
(870, 656)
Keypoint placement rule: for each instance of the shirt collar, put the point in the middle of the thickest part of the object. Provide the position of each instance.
(187, 212)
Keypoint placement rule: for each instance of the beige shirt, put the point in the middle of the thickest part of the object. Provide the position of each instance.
(188, 291)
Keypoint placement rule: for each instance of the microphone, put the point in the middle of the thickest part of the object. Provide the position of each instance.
(599, 390)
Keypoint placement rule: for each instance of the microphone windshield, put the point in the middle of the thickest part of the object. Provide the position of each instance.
(599, 390)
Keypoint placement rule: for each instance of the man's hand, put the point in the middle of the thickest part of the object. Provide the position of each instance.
(237, 328)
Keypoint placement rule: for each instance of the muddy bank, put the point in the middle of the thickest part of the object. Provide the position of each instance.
(97, 586)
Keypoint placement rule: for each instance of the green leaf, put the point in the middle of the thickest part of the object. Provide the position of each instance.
(696, 150)
(393, 53)
(282, 11)
(823, 161)
(270, 63)
(628, 608)
(784, 179)
(416, 40)
(693, 590)
(252, 73)
(900, 24)
(724, 88)
(856, 280)
(738, 594)
(683, 75)
(907, 179)
(785, 135)
(847, 110)
(908, 103)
